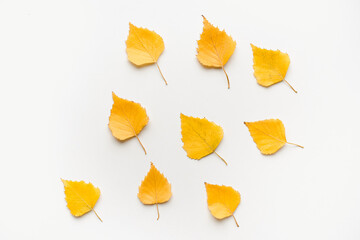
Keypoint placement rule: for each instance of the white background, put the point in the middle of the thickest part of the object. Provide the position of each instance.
(60, 61)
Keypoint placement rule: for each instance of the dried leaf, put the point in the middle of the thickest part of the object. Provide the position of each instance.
(127, 119)
(269, 135)
(144, 47)
(81, 197)
(270, 66)
(200, 137)
(154, 189)
(215, 47)
(222, 201)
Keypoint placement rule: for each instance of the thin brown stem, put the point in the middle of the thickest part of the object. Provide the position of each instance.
(295, 144)
(227, 77)
(290, 86)
(97, 215)
(221, 158)
(235, 220)
(161, 72)
(157, 209)
(140, 143)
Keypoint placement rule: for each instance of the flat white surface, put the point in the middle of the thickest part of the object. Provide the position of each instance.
(60, 61)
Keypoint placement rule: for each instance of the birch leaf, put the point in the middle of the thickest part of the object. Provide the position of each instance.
(81, 197)
(144, 47)
(270, 66)
(127, 119)
(215, 47)
(269, 135)
(154, 189)
(222, 201)
(200, 137)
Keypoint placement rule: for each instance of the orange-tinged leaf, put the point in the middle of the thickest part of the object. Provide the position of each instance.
(127, 119)
(200, 136)
(154, 189)
(215, 47)
(144, 47)
(222, 201)
(269, 135)
(81, 197)
(270, 66)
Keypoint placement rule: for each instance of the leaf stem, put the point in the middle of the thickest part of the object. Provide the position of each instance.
(290, 86)
(140, 143)
(97, 215)
(221, 158)
(295, 144)
(161, 72)
(235, 220)
(157, 209)
(227, 77)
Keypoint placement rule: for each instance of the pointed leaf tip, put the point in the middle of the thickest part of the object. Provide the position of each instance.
(200, 136)
(155, 188)
(212, 39)
(143, 46)
(270, 67)
(127, 119)
(222, 200)
(81, 197)
(269, 135)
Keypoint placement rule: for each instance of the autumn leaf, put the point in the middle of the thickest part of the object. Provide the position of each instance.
(127, 119)
(154, 189)
(215, 47)
(81, 197)
(269, 135)
(200, 137)
(222, 201)
(144, 47)
(270, 66)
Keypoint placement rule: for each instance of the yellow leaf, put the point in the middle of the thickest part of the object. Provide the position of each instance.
(144, 47)
(215, 47)
(81, 197)
(269, 135)
(127, 119)
(222, 201)
(200, 137)
(270, 66)
(154, 189)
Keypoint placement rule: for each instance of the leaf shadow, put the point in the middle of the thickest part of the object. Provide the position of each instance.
(276, 154)
(128, 140)
(83, 217)
(159, 206)
(139, 66)
(219, 221)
